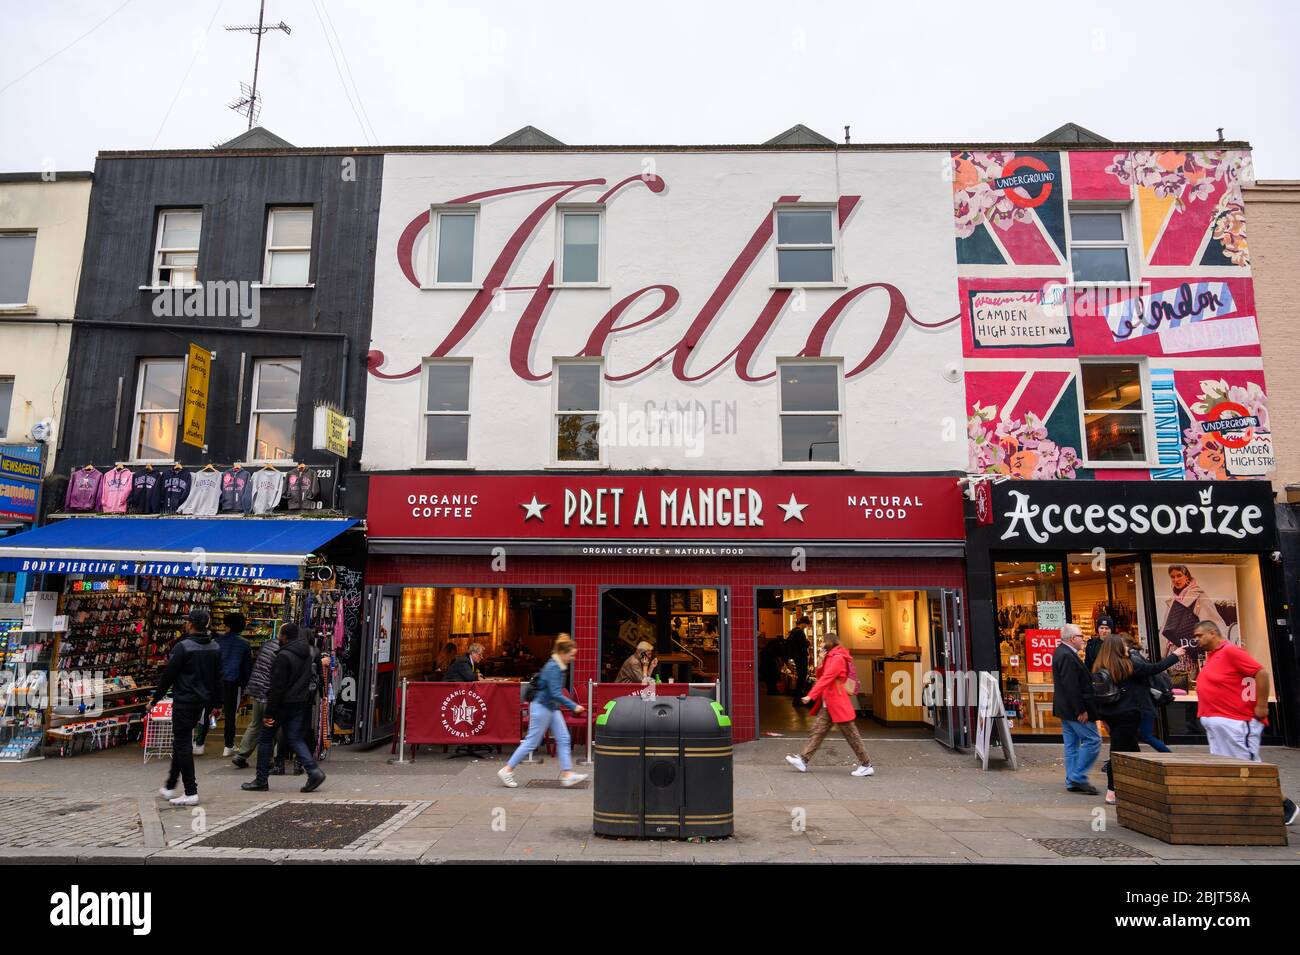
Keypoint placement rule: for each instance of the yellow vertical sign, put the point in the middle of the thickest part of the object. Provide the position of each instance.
(336, 433)
(197, 375)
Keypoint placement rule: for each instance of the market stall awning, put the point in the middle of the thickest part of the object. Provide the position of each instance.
(251, 547)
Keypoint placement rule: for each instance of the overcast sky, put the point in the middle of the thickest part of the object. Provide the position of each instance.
(159, 73)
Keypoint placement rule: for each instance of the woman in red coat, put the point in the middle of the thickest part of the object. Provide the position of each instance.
(833, 705)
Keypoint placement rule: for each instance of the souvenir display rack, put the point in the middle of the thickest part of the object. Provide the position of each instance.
(24, 683)
(106, 632)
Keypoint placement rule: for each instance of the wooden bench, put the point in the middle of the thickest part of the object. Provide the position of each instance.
(1193, 799)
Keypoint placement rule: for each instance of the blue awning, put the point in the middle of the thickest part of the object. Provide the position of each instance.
(251, 547)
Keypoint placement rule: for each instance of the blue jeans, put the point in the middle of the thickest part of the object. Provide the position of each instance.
(540, 719)
(1147, 732)
(292, 725)
(1082, 744)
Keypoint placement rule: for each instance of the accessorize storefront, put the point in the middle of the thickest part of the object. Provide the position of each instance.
(690, 563)
(1153, 557)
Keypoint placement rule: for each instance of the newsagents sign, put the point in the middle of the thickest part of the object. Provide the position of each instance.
(1135, 515)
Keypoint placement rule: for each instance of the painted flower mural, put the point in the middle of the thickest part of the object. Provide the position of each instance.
(974, 201)
(1188, 177)
(1204, 457)
(1018, 448)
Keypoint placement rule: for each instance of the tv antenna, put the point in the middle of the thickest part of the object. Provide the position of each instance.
(249, 104)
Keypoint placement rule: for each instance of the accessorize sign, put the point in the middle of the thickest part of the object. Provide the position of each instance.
(737, 507)
(1139, 515)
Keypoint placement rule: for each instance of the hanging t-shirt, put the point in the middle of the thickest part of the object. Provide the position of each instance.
(115, 490)
(83, 490)
(145, 487)
(268, 488)
(204, 496)
(175, 488)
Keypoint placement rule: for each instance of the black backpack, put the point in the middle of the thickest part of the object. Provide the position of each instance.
(533, 688)
(1105, 690)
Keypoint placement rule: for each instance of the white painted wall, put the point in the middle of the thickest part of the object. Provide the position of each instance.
(901, 415)
(36, 355)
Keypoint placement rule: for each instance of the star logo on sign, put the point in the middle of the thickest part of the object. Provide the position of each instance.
(462, 712)
(533, 509)
(793, 510)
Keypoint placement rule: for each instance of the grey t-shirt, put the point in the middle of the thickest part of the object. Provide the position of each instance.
(268, 488)
(205, 494)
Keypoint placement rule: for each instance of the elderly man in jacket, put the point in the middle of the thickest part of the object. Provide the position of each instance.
(292, 681)
(1072, 705)
(833, 703)
(259, 688)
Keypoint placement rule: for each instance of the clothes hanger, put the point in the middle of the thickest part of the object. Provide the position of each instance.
(148, 467)
(209, 466)
(176, 466)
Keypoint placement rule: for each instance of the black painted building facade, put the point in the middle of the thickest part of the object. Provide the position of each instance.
(276, 250)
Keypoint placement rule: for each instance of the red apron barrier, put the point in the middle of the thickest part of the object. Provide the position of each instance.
(462, 714)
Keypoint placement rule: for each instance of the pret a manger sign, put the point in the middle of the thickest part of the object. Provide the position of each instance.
(692, 507)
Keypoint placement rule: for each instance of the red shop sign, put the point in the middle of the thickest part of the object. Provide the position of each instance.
(457, 714)
(735, 507)
(1040, 645)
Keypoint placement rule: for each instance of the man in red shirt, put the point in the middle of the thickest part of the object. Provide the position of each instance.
(1232, 700)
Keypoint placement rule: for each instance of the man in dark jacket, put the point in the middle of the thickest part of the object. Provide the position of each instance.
(464, 669)
(293, 679)
(236, 668)
(193, 675)
(796, 649)
(1072, 705)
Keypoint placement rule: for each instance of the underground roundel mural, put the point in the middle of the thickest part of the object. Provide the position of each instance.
(1108, 315)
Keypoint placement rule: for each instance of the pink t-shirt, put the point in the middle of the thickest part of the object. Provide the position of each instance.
(115, 490)
(1224, 687)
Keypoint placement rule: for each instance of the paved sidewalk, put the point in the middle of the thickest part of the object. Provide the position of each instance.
(925, 804)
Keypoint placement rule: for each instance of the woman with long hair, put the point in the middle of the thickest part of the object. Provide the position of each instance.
(1146, 700)
(544, 712)
(1122, 711)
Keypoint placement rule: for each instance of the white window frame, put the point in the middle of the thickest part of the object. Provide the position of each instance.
(1147, 413)
(837, 279)
(141, 365)
(580, 208)
(254, 411)
(838, 363)
(6, 409)
(1126, 223)
(21, 234)
(436, 212)
(425, 414)
(266, 252)
(158, 250)
(553, 431)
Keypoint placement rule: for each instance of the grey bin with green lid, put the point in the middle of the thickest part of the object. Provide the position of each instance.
(663, 769)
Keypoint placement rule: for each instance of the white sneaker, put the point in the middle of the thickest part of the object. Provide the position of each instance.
(198, 749)
(169, 793)
(507, 777)
(798, 763)
(867, 770)
(185, 800)
(228, 751)
(1295, 814)
(572, 779)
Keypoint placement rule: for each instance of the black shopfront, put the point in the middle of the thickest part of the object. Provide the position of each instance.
(1154, 557)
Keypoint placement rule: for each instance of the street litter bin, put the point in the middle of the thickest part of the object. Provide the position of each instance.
(663, 769)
